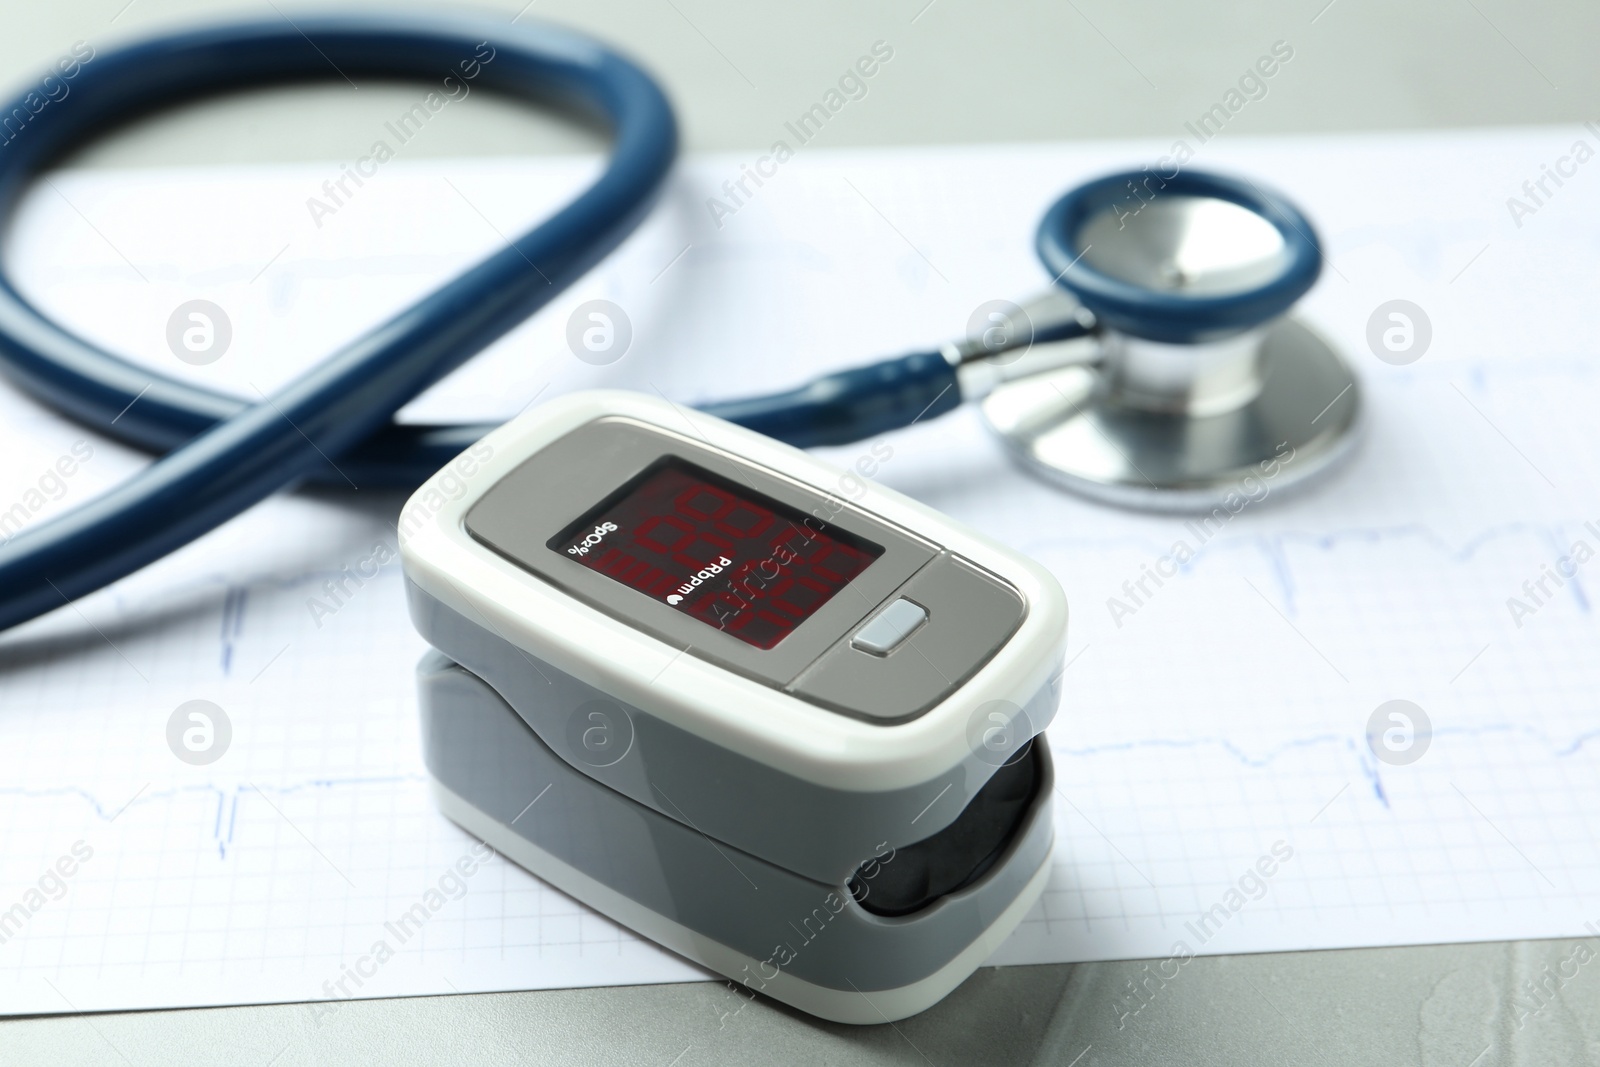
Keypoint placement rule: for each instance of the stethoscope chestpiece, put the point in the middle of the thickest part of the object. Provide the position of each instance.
(1196, 388)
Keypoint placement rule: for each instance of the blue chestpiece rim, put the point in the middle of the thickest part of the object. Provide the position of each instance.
(1173, 317)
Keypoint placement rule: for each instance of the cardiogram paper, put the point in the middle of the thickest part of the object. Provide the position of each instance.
(1218, 791)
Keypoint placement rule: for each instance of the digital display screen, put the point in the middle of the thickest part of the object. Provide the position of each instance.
(733, 559)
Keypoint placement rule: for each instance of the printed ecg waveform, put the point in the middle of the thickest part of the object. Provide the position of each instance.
(226, 798)
(1227, 717)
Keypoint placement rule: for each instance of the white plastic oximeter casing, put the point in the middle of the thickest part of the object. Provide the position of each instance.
(734, 796)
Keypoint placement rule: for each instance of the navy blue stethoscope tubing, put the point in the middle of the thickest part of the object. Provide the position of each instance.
(229, 454)
(333, 424)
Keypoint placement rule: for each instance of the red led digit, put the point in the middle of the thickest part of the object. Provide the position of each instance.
(694, 495)
(728, 514)
(720, 548)
(800, 596)
(681, 532)
(845, 558)
(722, 610)
(773, 595)
(746, 521)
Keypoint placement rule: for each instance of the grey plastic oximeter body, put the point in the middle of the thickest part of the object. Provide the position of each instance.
(748, 695)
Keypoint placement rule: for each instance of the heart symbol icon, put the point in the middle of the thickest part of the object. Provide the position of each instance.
(674, 598)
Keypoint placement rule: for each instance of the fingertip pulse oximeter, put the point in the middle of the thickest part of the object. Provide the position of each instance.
(772, 717)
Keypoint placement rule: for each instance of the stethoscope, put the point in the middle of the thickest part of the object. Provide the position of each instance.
(1159, 370)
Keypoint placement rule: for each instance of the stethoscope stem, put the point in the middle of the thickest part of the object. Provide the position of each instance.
(1046, 332)
(980, 377)
(851, 405)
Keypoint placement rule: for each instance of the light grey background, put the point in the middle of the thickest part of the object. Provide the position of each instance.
(964, 71)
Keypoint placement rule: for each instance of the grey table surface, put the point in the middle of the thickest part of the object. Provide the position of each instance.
(964, 72)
